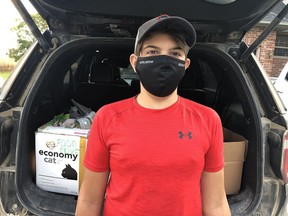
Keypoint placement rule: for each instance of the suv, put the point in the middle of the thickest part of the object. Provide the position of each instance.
(84, 56)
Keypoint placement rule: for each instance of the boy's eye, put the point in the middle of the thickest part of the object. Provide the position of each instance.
(176, 54)
(152, 52)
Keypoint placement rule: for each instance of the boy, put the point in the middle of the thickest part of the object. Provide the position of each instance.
(164, 153)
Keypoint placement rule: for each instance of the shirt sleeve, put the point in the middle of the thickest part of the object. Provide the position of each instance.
(97, 152)
(214, 158)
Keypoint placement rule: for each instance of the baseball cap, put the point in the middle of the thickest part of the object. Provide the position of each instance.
(171, 23)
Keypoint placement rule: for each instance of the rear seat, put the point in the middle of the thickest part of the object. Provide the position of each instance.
(189, 87)
(102, 87)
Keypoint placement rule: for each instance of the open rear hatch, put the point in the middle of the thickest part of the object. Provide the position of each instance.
(214, 21)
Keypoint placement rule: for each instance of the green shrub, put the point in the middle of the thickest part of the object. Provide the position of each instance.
(7, 65)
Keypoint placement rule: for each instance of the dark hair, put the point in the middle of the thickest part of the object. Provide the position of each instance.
(177, 36)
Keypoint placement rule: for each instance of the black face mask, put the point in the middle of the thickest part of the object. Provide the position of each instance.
(160, 75)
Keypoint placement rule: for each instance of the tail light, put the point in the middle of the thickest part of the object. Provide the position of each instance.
(284, 163)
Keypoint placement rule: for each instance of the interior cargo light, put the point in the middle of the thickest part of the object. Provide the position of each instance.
(284, 163)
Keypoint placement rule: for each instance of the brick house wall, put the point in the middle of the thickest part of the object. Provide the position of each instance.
(278, 65)
(265, 52)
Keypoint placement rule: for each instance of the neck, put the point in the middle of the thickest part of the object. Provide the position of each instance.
(147, 100)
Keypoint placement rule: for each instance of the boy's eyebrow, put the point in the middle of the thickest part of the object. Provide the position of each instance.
(156, 47)
(177, 48)
(151, 46)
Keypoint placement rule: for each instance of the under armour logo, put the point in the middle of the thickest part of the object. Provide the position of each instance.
(181, 134)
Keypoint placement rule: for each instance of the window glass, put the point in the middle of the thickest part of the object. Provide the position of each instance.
(281, 46)
(128, 74)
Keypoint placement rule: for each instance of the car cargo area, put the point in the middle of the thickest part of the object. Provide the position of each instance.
(95, 72)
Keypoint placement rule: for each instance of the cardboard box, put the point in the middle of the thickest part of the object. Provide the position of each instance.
(235, 148)
(59, 156)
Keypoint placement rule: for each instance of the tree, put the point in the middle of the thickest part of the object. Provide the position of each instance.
(25, 38)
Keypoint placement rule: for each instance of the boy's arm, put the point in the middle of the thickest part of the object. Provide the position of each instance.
(214, 199)
(92, 191)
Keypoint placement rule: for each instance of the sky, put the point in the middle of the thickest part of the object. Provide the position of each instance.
(8, 16)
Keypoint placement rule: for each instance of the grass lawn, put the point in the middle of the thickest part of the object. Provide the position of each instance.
(4, 74)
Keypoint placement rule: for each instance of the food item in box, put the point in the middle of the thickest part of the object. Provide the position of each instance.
(59, 159)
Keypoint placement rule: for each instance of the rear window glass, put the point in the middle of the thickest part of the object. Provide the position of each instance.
(128, 74)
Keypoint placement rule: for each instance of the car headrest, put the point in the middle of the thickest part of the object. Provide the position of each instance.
(101, 73)
(188, 79)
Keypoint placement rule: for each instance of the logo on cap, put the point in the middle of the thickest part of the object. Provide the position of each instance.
(163, 16)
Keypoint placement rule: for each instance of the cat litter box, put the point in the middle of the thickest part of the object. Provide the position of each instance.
(59, 156)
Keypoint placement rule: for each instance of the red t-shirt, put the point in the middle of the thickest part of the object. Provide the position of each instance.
(156, 157)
